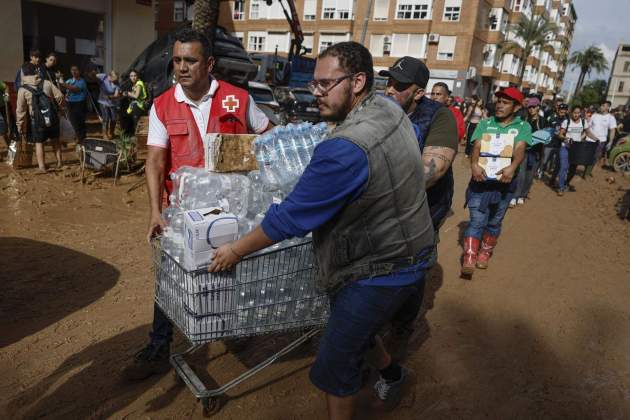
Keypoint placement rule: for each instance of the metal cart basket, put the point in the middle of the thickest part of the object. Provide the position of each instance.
(265, 293)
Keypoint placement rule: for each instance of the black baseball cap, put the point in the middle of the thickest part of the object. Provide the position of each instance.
(408, 70)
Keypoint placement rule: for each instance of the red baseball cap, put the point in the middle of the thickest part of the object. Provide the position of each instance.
(511, 93)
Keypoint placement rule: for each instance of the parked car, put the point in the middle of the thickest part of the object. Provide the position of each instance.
(266, 101)
(619, 157)
(301, 105)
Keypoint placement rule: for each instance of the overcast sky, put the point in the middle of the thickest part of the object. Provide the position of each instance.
(605, 23)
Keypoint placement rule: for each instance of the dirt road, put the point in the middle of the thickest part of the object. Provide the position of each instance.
(544, 333)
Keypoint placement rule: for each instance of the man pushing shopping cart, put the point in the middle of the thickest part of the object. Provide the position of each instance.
(362, 195)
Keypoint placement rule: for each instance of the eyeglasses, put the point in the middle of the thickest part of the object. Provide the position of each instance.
(398, 86)
(323, 86)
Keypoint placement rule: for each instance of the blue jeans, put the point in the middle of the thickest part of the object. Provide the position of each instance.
(357, 313)
(564, 168)
(486, 220)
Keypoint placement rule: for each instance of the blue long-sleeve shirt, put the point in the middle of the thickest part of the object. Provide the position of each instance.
(335, 177)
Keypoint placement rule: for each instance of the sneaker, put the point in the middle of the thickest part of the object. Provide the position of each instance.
(513, 203)
(520, 201)
(560, 193)
(149, 361)
(391, 392)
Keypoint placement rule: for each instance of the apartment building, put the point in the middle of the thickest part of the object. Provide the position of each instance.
(619, 81)
(460, 40)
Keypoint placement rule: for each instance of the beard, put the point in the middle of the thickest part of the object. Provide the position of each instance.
(338, 112)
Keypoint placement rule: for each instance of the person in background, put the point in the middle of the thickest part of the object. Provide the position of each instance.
(51, 73)
(76, 99)
(37, 94)
(573, 130)
(441, 93)
(138, 95)
(487, 197)
(474, 113)
(604, 125)
(551, 152)
(108, 102)
(34, 59)
(4, 98)
(533, 155)
(436, 132)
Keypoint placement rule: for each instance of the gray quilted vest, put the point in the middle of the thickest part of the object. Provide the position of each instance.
(389, 223)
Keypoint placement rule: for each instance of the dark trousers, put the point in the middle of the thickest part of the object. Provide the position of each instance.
(77, 113)
(162, 330)
(469, 133)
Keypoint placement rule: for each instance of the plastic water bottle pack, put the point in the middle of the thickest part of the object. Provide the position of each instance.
(284, 152)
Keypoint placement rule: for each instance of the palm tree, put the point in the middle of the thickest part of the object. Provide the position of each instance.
(591, 58)
(534, 33)
(206, 17)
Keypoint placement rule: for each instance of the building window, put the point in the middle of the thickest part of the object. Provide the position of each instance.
(337, 9)
(452, 10)
(179, 11)
(446, 48)
(413, 9)
(278, 40)
(238, 10)
(621, 86)
(326, 40)
(489, 55)
(626, 67)
(308, 43)
(254, 9)
(381, 10)
(380, 45)
(256, 41)
(414, 45)
(238, 35)
(310, 10)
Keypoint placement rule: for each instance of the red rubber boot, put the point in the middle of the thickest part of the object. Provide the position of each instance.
(487, 246)
(471, 246)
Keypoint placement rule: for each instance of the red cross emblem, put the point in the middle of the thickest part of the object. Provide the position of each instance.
(230, 103)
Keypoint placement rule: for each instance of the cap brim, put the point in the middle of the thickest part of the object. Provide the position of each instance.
(395, 75)
(505, 95)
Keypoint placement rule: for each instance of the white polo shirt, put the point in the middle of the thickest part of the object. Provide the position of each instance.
(257, 121)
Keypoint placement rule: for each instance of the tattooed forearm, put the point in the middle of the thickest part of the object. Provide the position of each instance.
(429, 173)
(436, 160)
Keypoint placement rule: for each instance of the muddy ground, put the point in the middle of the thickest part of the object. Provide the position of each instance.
(544, 333)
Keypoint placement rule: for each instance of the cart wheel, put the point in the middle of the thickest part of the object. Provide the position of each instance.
(210, 406)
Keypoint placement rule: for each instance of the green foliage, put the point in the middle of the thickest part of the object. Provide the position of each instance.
(593, 93)
(534, 33)
(587, 60)
(126, 145)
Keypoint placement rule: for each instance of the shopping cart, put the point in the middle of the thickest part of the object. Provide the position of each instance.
(273, 291)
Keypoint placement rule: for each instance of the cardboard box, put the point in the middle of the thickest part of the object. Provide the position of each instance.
(230, 152)
(492, 165)
(206, 230)
(497, 145)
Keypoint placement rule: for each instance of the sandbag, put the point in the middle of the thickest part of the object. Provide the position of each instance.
(582, 153)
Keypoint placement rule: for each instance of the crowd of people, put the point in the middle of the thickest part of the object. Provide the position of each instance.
(42, 90)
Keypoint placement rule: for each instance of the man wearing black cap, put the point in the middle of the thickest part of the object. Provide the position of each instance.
(436, 131)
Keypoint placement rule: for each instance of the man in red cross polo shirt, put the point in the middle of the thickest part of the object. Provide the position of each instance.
(179, 118)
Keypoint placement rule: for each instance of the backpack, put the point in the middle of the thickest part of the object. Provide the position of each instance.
(44, 109)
